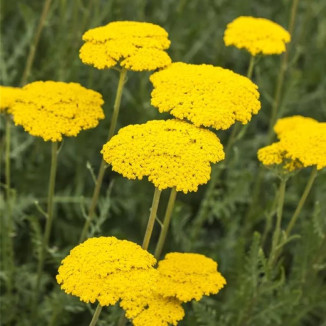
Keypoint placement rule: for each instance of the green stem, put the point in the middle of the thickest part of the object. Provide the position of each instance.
(251, 66)
(96, 315)
(281, 74)
(32, 49)
(8, 253)
(99, 180)
(279, 213)
(166, 223)
(122, 320)
(151, 219)
(302, 200)
(49, 220)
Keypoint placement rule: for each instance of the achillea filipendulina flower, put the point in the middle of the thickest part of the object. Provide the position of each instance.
(256, 35)
(205, 95)
(106, 269)
(170, 153)
(54, 109)
(302, 144)
(287, 124)
(109, 270)
(276, 154)
(188, 276)
(133, 45)
(8, 96)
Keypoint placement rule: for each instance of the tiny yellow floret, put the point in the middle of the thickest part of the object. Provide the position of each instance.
(8, 96)
(256, 35)
(188, 276)
(132, 45)
(170, 153)
(205, 95)
(52, 109)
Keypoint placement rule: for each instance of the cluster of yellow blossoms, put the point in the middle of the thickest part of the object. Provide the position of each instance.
(205, 95)
(302, 144)
(256, 35)
(172, 153)
(8, 96)
(109, 270)
(134, 45)
(52, 109)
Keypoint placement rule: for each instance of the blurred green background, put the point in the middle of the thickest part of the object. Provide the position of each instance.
(296, 295)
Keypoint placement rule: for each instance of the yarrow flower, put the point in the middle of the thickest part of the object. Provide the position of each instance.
(109, 270)
(54, 109)
(188, 276)
(205, 95)
(170, 153)
(302, 144)
(256, 35)
(8, 96)
(133, 45)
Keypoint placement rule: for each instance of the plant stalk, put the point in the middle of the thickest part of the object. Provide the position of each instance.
(32, 49)
(151, 219)
(302, 200)
(99, 180)
(49, 219)
(279, 213)
(96, 315)
(166, 223)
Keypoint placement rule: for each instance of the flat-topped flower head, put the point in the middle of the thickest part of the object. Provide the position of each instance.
(277, 155)
(302, 144)
(132, 45)
(205, 95)
(256, 35)
(8, 96)
(188, 276)
(106, 269)
(170, 153)
(284, 125)
(51, 110)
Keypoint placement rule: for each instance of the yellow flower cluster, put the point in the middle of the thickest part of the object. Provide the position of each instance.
(8, 96)
(109, 270)
(256, 35)
(170, 153)
(52, 109)
(302, 144)
(205, 95)
(134, 45)
(188, 276)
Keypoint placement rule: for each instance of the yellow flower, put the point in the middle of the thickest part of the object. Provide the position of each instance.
(302, 144)
(133, 45)
(52, 109)
(170, 153)
(256, 35)
(105, 269)
(188, 276)
(287, 124)
(109, 270)
(205, 95)
(8, 96)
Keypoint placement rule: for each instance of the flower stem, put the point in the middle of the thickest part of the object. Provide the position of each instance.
(49, 219)
(32, 49)
(302, 200)
(96, 315)
(99, 180)
(279, 213)
(8, 253)
(251, 66)
(151, 219)
(166, 223)
(281, 74)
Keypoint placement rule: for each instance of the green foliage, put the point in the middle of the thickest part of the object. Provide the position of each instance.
(292, 291)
